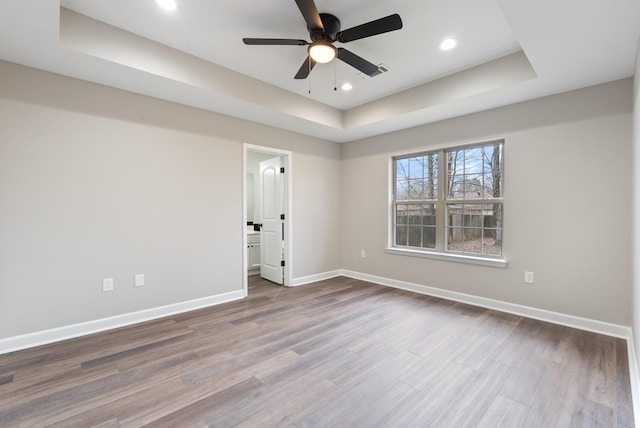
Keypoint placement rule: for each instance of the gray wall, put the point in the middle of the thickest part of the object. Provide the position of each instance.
(567, 204)
(636, 206)
(98, 183)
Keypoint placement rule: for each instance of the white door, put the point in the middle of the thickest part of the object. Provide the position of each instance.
(271, 208)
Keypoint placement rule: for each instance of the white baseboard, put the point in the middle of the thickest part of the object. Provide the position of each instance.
(315, 278)
(587, 324)
(634, 377)
(39, 338)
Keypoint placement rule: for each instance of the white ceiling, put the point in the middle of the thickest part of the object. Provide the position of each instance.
(508, 51)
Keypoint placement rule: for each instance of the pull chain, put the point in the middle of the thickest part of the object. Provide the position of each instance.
(309, 74)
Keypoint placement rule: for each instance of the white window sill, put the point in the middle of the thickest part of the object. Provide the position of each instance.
(449, 257)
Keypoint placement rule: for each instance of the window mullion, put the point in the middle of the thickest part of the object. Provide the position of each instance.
(440, 203)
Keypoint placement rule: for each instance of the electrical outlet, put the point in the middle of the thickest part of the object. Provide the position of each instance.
(528, 277)
(138, 280)
(107, 285)
(363, 254)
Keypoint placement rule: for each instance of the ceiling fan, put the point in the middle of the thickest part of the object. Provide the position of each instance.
(324, 30)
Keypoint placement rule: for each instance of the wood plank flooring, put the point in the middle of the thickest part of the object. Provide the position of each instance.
(337, 353)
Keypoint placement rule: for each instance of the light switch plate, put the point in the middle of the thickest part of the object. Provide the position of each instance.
(107, 284)
(528, 277)
(139, 280)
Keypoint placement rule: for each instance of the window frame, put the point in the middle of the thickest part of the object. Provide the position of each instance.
(442, 204)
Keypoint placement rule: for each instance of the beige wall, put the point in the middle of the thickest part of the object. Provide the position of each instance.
(98, 183)
(636, 206)
(567, 208)
(317, 181)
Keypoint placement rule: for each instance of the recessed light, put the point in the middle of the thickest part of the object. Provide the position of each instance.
(448, 44)
(346, 86)
(167, 4)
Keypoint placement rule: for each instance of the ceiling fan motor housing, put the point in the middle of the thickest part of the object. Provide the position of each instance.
(331, 26)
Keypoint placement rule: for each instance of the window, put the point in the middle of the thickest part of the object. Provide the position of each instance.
(415, 201)
(450, 201)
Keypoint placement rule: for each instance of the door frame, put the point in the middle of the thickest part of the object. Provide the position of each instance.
(288, 214)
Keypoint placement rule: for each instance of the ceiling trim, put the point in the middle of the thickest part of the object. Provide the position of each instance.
(91, 37)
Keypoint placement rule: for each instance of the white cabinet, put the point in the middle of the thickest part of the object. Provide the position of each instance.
(253, 252)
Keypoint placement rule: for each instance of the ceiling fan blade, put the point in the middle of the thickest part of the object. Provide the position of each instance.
(310, 13)
(250, 41)
(357, 62)
(305, 68)
(372, 28)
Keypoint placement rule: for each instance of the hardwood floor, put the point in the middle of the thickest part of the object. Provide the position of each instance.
(338, 353)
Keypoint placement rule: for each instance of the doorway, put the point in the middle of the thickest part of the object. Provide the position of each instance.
(266, 214)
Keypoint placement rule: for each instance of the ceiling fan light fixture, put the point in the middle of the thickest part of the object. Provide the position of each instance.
(322, 52)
